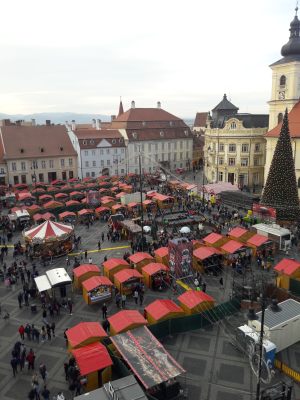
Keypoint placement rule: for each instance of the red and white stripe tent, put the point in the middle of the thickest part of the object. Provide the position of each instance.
(48, 231)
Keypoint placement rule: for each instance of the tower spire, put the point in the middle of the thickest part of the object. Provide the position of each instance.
(121, 110)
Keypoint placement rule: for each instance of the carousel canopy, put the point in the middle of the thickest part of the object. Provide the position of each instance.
(49, 230)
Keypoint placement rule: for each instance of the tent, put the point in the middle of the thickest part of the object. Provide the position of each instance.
(53, 204)
(48, 231)
(126, 280)
(156, 275)
(287, 269)
(147, 358)
(113, 265)
(162, 255)
(84, 333)
(124, 320)
(97, 288)
(232, 247)
(206, 259)
(193, 301)
(67, 214)
(163, 309)
(240, 234)
(140, 259)
(95, 363)
(84, 272)
(214, 239)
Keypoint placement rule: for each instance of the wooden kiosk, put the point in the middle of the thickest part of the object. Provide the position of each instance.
(125, 320)
(114, 265)
(286, 270)
(203, 257)
(127, 280)
(240, 234)
(215, 240)
(139, 260)
(84, 333)
(259, 242)
(84, 272)
(156, 275)
(97, 289)
(163, 309)
(194, 302)
(161, 255)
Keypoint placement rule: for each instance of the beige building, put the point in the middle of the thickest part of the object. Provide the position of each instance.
(36, 154)
(235, 146)
(285, 94)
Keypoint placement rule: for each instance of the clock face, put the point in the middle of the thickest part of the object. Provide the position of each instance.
(281, 95)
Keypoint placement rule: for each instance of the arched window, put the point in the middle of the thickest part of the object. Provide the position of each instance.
(233, 125)
(298, 182)
(282, 81)
(279, 118)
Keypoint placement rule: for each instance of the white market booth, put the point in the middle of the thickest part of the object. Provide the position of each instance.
(55, 283)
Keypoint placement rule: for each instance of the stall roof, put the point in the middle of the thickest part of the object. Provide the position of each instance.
(146, 356)
(193, 298)
(84, 331)
(58, 276)
(140, 256)
(232, 246)
(114, 262)
(237, 232)
(258, 240)
(287, 266)
(22, 213)
(37, 217)
(42, 283)
(131, 226)
(213, 238)
(91, 358)
(100, 209)
(161, 197)
(154, 268)
(118, 206)
(126, 274)
(125, 318)
(162, 307)
(85, 211)
(286, 311)
(67, 214)
(132, 204)
(162, 251)
(83, 269)
(95, 281)
(147, 202)
(72, 203)
(204, 252)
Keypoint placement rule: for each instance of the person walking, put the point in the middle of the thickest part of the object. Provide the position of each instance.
(90, 260)
(141, 295)
(85, 254)
(70, 305)
(45, 393)
(20, 299)
(99, 245)
(14, 365)
(136, 296)
(43, 371)
(104, 311)
(53, 328)
(123, 300)
(102, 236)
(36, 386)
(118, 300)
(221, 283)
(22, 357)
(22, 332)
(30, 359)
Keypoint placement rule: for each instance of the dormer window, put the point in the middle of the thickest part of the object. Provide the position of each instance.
(233, 125)
(144, 123)
(113, 141)
(84, 142)
(21, 150)
(282, 81)
(171, 123)
(134, 135)
(120, 140)
(161, 133)
(61, 148)
(186, 133)
(42, 150)
(92, 141)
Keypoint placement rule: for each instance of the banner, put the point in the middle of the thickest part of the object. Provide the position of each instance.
(93, 198)
(180, 257)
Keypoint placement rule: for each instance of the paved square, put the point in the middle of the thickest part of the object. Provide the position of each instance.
(231, 373)
(202, 344)
(194, 366)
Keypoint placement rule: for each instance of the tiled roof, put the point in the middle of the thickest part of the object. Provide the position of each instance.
(36, 141)
(294, 123)
(200, 119)
(146, 114)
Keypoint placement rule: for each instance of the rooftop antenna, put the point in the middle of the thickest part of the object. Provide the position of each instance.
(296, 9)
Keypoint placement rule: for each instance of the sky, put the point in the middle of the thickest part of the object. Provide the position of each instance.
(81, 56)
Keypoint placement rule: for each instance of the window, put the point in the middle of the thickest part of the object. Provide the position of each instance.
(94, 163)
(101, 152)
(108, 162)
(233, 125)
(43, 164)
(14, 166)
(71, 175)
(279, 118)
(116, 151)
(256, 161)
(181, 155)
(91, 141)
(107, 151)
(102, 163)
(257, 147)
(136, 160)
(156, 157)
(175, 157)
(51, 164)
(93, 152)
(62, 162)
(84, 142)
(156, 146)
(113, 141)
(220, 177)
(122, 171)
(136, 171)
(143, 147)
(86, 152)
(232, 148)
(35, 164)
(122, 150)
(282, 81)
(181, 144)
(298, 182)
(41, 177)
(187, 155)
(244, 162)
(135, 148)
(175, 145)
(23, 178)
(163, 146)
(93, 174)
(221, 147)
(2, 171)
(169, 146)
(231, 161)
(70, 162)
(221, 160)
(87, 174)
(86, 163)
(256, 178)
(23, 166)
(245, 148)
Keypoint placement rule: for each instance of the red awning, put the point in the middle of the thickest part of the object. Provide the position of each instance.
(192, 298)
(102, 209)
(287, 266)
(125, 319)
(95, 281)
(85, 211)
(45, 197)
(24, 196)
(83, 269)
(162, 252)
(205, 252)
(232, 246)
(161, 308)
(237, 232)
(91, 358)
(126, 274)
(258, 240)
(72, 203)
(67, 214)
(84, 331)
(140, 256)
(132, 205)
(212, 238)
(61, 195)
(114, 262)
(154, 268)
(53, 204)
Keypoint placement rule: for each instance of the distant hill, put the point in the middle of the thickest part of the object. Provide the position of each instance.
(56, 117)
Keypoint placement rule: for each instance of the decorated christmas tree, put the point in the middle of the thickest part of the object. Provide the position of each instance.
(280, 191)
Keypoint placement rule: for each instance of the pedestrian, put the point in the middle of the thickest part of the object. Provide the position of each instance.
(43, 334)
(118, 300)
(48, 328)
(90, 260)
(70, 306)
(123, 300)
(30, 359)
(102, 237)
(203, 287)
(43, 371)
(36, 386)
(28, 331)
(99, 245)
(22, 358)
(221, 282)
(85, 254)
(104, 311)
(45, 393)
(141, 295)
(22, 331)
(106, 325)
(26, 298)
(20, 299)
(53, 328)
(60, 396)
(136, 296)
(196, 282)
(66, 368)
(68, 261)
(65, 336)
(14, 365)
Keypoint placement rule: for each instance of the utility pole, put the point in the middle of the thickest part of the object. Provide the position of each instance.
(141, 193)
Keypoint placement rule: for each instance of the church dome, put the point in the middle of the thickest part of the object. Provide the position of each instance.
(292, 47)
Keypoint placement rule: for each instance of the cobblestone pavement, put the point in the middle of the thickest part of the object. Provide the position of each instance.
(215, 370)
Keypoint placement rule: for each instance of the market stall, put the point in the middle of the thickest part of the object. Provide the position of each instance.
(215, 240)
(129, 229)
(194, 302)
(139, 260)
(85, 214)
(287, 270)
(259, 242)
(118, 208)
(149, 205)
(156, 276)
(61, 196)
(163, 202)
(97, 289)
(53, 204)
(127, 280)
(33, 209)
(84, 272)
(84, 333)
(108, 201)
(44, 198)
(76, 195)
(161, 310)
(207, 260)
(125, 320)
(232, 249)
(100, 211)
(161, 255)
(240, 234)
(50, 239)
(112, 266)
(67, 216)
(43, 286)
(55, 283)
(94, 364)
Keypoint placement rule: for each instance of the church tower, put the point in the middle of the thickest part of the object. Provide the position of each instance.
(286, 76)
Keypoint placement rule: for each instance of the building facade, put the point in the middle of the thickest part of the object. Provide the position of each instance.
(235, 146)
(36, 153)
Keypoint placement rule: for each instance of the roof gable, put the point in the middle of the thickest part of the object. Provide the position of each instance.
(104, 143)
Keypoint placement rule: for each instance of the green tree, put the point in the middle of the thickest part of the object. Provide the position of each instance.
(280, 191)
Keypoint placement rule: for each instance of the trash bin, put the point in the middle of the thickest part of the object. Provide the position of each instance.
(33, 308)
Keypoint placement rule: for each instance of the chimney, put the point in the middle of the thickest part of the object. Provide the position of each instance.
(93, 123)
(133, 104)
(98, 124)
(48, 122)
(33, 123)
(112, 118)
(158, 104)
(73, 125)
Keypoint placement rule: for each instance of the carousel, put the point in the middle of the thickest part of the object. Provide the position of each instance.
(50, 239)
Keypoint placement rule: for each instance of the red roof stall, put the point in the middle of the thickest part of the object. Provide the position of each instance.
(214, 240)
(113, 265)
(125, 320)
(139, 260)
(84, 272)
(240, 234)
(163, 201)
(93, 362)
(156, 275)
(231, 247)
(161, 255)
(67, 216)
(85, 213)
(163, 309)
(194, 302)
(149, 205)
(118, 208)
(258, 242)
(206, 259)
(287, 269)
(84, 333)
(97, 289)
(127, 280)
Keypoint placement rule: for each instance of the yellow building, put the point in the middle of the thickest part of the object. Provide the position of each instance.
(285, 94)
(235, 146)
